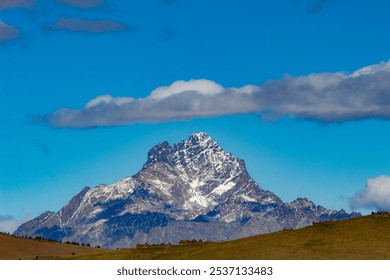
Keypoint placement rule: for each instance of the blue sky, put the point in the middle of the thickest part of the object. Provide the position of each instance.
(87, 87)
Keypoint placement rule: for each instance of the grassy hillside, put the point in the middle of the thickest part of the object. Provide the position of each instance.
(361, 238)
(14, 248)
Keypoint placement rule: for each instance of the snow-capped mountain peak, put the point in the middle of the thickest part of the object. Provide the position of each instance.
(192, 189)
(202, 139)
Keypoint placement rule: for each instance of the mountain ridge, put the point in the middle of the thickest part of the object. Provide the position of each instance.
(192, 189)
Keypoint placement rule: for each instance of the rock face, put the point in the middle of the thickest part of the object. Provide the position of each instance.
(191, 190)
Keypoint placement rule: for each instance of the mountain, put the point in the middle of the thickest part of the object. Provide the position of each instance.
(191, 190)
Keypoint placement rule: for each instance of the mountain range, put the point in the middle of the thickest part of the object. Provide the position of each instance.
(191, 190)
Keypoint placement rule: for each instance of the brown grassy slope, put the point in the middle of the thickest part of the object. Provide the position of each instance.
(14, 248)
(361, 238)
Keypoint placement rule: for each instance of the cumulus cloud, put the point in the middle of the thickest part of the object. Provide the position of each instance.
(181, 100)
(90, 26)
(325, 97)
(11, 4)
(83, 4)
(331, 97)
(375, 195)
(202, 86)
(8, 32)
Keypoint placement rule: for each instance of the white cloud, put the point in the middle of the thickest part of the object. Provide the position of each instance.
(201, 86)
(375, 195)
(372, 69)
(181, 100)
(331, 97)
(104, 99)
(325, 97)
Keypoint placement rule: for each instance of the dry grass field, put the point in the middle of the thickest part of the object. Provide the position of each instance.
(362, 238)
(16, 248)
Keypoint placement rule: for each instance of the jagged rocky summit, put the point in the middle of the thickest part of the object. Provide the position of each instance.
(191, 190)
